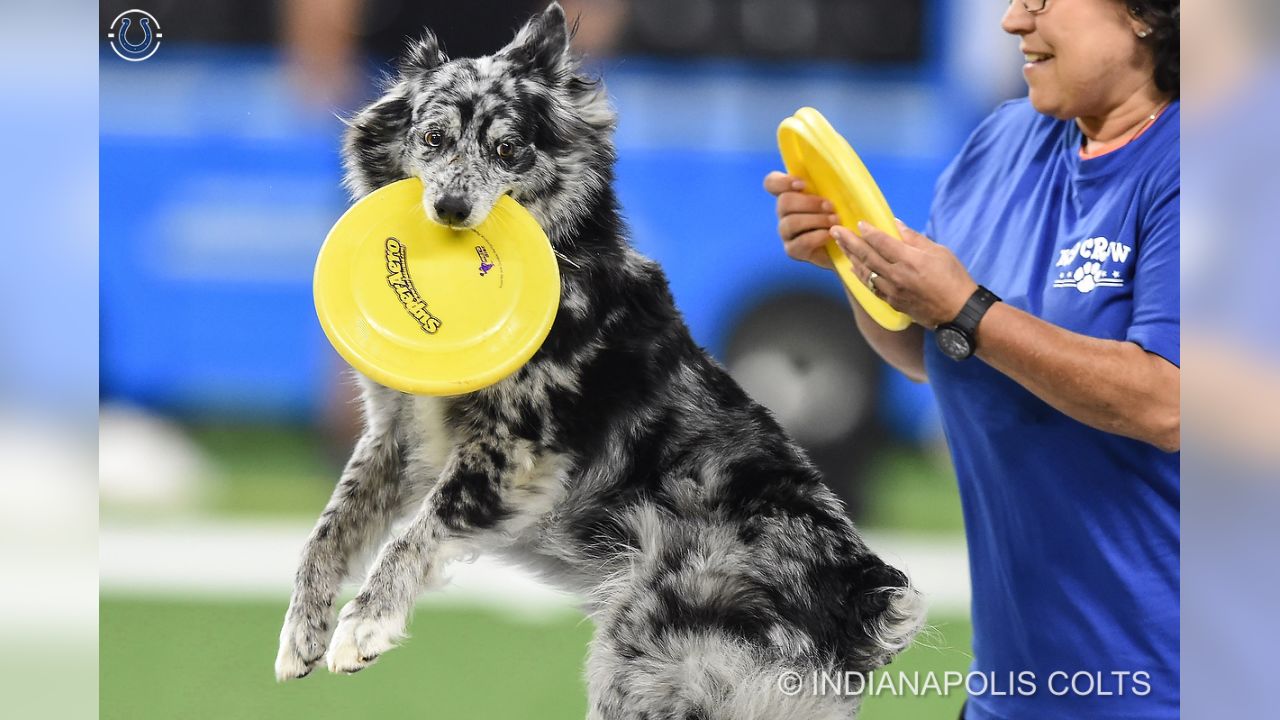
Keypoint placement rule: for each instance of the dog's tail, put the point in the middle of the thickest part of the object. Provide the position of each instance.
(890, 610)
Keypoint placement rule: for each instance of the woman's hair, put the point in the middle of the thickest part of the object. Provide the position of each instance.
(1162, 16)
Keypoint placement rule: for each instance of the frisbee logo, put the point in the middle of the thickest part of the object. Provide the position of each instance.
(134, 35)
(485, 265)
(1098, 271)
(400, 282)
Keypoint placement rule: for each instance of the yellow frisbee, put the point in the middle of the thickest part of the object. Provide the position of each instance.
(429, 310)
(813, 151)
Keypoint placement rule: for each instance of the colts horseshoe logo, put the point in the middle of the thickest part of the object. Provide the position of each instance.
(135, 35)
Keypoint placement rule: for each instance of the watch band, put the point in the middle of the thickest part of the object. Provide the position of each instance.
(971, 314)
(958, 339)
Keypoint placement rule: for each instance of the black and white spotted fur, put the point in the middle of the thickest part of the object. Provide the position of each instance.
(621, 463)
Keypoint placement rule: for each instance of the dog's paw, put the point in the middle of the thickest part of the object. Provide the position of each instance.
(361, 638)
(302, 643)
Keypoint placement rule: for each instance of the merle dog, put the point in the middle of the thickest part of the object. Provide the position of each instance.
(621, 463)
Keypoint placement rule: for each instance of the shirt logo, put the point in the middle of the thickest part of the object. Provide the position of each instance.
(1091, 264)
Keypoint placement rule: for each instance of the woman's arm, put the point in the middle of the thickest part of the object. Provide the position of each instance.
(804, 224)
(1111, 385)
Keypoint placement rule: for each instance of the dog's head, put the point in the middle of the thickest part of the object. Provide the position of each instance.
(523, 121)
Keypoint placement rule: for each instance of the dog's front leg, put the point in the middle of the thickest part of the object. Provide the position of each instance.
(468, 498)
(358, 514)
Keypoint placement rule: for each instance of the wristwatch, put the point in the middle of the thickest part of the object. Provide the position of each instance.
(959, 338)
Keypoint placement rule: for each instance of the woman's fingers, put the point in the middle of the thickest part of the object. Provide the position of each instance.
(810, 247)
(862, 254)
(804, 220)
(881, 243)
(777, 183)
(911, 237)
(865, 261)
(794, 224)
(881, 285)
(790, 203)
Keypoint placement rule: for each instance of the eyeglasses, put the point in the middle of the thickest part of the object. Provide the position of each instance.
(1035, 7)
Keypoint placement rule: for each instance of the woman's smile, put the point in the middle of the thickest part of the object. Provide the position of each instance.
(1035, 60)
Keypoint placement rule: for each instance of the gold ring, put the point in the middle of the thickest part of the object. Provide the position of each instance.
(871, 281)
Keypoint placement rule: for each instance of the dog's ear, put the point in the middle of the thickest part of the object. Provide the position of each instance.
(374, 144)
(421, 57)
(543, 43)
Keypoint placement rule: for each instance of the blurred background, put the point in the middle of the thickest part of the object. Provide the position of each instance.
(225, 415)
(1231, 356)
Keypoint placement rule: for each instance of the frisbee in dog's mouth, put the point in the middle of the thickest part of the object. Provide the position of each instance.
(432, 310)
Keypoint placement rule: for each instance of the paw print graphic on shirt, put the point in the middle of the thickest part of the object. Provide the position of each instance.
(1087, 276)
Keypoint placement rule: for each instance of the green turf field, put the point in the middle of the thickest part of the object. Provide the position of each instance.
(205, 659)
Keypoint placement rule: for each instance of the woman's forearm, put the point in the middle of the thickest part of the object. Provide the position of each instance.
(1111, 385)
(904, 349)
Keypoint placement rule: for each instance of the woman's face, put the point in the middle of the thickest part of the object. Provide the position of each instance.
(1084, 57)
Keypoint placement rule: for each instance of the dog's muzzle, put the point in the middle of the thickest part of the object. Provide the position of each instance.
(453, 210)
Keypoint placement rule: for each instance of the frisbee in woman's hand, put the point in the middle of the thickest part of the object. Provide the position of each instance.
(427, 309)
(814, 152)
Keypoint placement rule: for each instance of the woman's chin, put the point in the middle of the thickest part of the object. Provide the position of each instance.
(1047, 103)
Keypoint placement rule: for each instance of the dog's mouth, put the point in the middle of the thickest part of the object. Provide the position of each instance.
(456, 227)
(474, 218)
(451, 223)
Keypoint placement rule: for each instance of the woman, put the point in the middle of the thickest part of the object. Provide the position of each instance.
(1064, 425)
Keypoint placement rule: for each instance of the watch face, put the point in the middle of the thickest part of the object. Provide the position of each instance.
(953, 343)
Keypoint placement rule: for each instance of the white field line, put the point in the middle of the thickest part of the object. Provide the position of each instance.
(256, 560)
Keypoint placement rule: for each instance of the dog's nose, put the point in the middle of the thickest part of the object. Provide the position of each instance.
(453, 209)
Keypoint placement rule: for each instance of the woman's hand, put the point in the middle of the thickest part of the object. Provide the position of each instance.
(805, 223)
(804, 220)
(915, 276)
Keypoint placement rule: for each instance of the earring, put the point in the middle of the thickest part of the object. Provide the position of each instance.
(1143, 33)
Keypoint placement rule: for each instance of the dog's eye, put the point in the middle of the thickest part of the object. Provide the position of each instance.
(505, 149)
(434, 138)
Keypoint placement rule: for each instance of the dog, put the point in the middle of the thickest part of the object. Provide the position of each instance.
(621, 462)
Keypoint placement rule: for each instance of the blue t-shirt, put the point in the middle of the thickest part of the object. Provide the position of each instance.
(1072, 532)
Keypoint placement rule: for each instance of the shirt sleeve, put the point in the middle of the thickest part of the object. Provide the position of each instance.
(954, 180)
(1156, 294)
